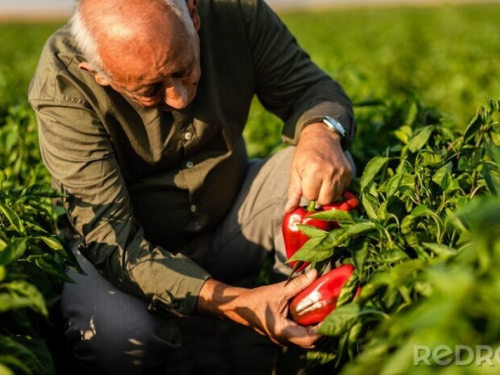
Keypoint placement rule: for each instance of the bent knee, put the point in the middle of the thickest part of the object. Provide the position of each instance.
(119, 344)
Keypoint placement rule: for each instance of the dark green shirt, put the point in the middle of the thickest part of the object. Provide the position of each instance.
(141, 182)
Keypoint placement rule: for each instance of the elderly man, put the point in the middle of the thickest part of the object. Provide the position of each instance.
(141, 107)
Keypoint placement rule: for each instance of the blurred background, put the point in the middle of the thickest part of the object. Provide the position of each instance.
(437, 53)
(61, 8)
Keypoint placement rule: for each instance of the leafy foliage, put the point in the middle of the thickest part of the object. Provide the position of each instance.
(424, 247)
(32, 259)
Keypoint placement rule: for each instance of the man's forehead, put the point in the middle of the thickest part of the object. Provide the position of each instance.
(149, 53)
(141, 73)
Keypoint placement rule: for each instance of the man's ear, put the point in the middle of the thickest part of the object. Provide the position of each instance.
(98, 77)
(193, 12)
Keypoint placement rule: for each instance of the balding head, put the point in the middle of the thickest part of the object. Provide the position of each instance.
(111, 29)
(148, 51)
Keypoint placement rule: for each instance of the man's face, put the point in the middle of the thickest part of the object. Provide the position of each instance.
(166, 79)
(157, 68)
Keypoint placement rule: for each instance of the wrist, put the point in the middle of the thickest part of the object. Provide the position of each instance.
(331, 125)
(219, 300)
(318, 129)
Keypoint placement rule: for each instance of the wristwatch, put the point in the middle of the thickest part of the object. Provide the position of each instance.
(334, 126)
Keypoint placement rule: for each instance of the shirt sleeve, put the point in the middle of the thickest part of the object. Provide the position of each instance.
(79, 155)
(289, 84)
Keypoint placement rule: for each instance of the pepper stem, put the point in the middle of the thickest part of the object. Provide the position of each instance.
(312, 206)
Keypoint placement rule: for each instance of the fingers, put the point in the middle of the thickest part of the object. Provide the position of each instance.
(320, 172)
(305, 337)
(294, 191)
(299, 283)
(325, 183)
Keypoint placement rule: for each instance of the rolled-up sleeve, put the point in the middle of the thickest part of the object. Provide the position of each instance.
(79, 155)
(289, 84)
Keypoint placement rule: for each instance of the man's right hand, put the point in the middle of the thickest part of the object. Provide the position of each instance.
(264, 309)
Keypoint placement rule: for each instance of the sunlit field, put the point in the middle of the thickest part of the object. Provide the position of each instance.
(425, 84)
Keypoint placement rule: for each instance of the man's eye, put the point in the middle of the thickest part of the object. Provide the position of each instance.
(152, 91)
(182, 74)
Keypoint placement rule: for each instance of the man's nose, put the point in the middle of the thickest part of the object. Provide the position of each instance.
(176, 95)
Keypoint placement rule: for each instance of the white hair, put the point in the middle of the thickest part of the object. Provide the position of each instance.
(85, 39)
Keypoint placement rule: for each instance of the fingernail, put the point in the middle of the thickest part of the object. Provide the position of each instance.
(310, 274)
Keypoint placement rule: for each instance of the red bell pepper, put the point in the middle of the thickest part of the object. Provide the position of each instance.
(294, 238)
(348, 202)
(319, 299)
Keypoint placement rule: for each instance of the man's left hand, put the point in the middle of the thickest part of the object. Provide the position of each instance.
(320, 170)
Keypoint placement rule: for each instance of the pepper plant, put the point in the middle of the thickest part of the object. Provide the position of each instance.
(410, 195)
(32, 258)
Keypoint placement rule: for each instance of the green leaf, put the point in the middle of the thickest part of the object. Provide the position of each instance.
(392, 278)
(355, 229)
(371, 205)
(421, 210)
(339, 216)
(404, 134)
(348, 290)
(481, 215)
(429, 158)
(21, 294)
(440, 249)
(340, 320)
(494, 152)
(34, 227)
(492, 179)
(55, 244)
(51, 267)
(14, 250)
(389, 256)
(42, 190)
(52, 242)
(13, 363)
(394, 183)
(372, 169)
(412, 113)
(421, 139)
(359, 249)
(43, 359)
(412, 229)
(324, 352)
(473, 127)
(494, 105)
(316, 249)
(311, 231)
(3, 244)
(443, 177)
(12, 218)
(4, 370)
(321, 248)
(26, 355)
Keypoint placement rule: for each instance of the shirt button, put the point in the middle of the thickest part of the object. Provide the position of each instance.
(197, 226)
(188, 136)
(193, 208)
(189, 164)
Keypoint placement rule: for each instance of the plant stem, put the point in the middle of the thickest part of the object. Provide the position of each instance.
(311, 207)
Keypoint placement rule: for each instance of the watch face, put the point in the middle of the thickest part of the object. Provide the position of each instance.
(334, 125)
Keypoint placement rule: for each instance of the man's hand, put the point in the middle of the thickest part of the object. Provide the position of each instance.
(264, 309)
(320, 170)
